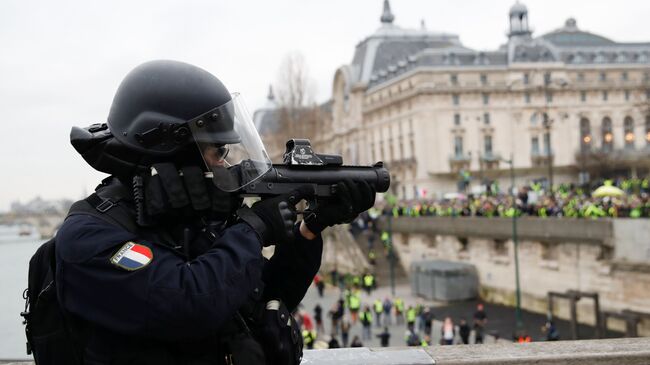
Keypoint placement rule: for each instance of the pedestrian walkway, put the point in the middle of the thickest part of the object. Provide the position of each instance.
(397, 332)
(499, 327)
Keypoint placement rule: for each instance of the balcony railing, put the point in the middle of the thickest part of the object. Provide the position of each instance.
(403, 162)
(490, 161)
(491, 157)
(459, 161)
(541, 158)
(615, 155)
(463, 157)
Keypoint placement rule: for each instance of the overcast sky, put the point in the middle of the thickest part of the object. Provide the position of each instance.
(61, 61)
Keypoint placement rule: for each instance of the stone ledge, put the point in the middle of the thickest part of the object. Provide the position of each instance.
(528, 228)
(626, 351)
(364, 355)
(611, 351)
(622, 351)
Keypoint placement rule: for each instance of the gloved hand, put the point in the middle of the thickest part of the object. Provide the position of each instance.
(350, 199)
(279, 335)
(277, 215)
(168, 193)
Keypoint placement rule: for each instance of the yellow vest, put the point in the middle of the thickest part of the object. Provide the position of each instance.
(366, 316)
(410, 315)
(378, 306)
(399, 304)
(355, 302)
(368, 280)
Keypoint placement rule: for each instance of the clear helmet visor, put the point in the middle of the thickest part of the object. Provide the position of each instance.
(230, 146)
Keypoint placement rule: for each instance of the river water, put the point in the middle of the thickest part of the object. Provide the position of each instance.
(15, 252)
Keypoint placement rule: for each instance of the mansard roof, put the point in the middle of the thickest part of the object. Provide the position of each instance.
(575, 46)
(391, 50)
(391, 44)
(571, 36)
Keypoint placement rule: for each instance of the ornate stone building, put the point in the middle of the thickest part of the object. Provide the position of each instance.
(564, 106)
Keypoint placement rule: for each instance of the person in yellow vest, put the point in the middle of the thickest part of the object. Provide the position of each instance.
(399, 311)
(425, 341)
(356, 281)
(612, 212)
(355, 305)
(384, 237)
(372, 257)
(366, 322)
(368, 283)
(411, 314)
(379, 309)
(309, 337)
(645, 185)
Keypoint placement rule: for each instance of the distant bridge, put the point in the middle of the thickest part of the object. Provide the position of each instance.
(46, 224)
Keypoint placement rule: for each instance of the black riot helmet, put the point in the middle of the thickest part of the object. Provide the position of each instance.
(155, 100)
(170, 111)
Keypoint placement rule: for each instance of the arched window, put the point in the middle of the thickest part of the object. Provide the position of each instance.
(608, 137)
(628, 132)
(585, 134)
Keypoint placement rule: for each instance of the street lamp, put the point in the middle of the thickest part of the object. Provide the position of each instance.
(546, 123)
(515, 242)
(548, 97)
(391, 255)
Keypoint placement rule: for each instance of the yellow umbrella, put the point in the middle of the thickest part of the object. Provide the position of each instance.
(607, 190)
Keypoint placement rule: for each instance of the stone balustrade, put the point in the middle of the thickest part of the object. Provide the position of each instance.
(625, 351)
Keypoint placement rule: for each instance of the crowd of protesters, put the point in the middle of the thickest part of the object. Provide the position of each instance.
(565, 200)
(375, 315)
(359, 306)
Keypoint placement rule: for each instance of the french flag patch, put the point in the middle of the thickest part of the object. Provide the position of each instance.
(132, 256)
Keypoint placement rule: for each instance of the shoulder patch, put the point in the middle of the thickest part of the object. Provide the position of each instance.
(132, 256)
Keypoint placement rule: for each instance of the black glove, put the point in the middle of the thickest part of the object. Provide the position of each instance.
(280, 335)
(350, 199)
(273, 218)
(169, 194)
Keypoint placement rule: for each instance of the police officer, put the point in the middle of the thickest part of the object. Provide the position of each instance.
(163, 266)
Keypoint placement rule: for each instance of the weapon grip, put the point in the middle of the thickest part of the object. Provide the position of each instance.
(312, 204)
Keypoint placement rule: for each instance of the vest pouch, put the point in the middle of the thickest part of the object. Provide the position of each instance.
(245, 350)
(108, 348)
(50, 337)
(280, 335)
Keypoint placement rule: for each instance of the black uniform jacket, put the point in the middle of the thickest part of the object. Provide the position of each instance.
(142, 301)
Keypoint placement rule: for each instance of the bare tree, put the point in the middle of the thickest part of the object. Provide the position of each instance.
(294, 87)
(298, 113)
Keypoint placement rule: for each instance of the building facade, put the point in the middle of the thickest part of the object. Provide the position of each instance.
(565, 106)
